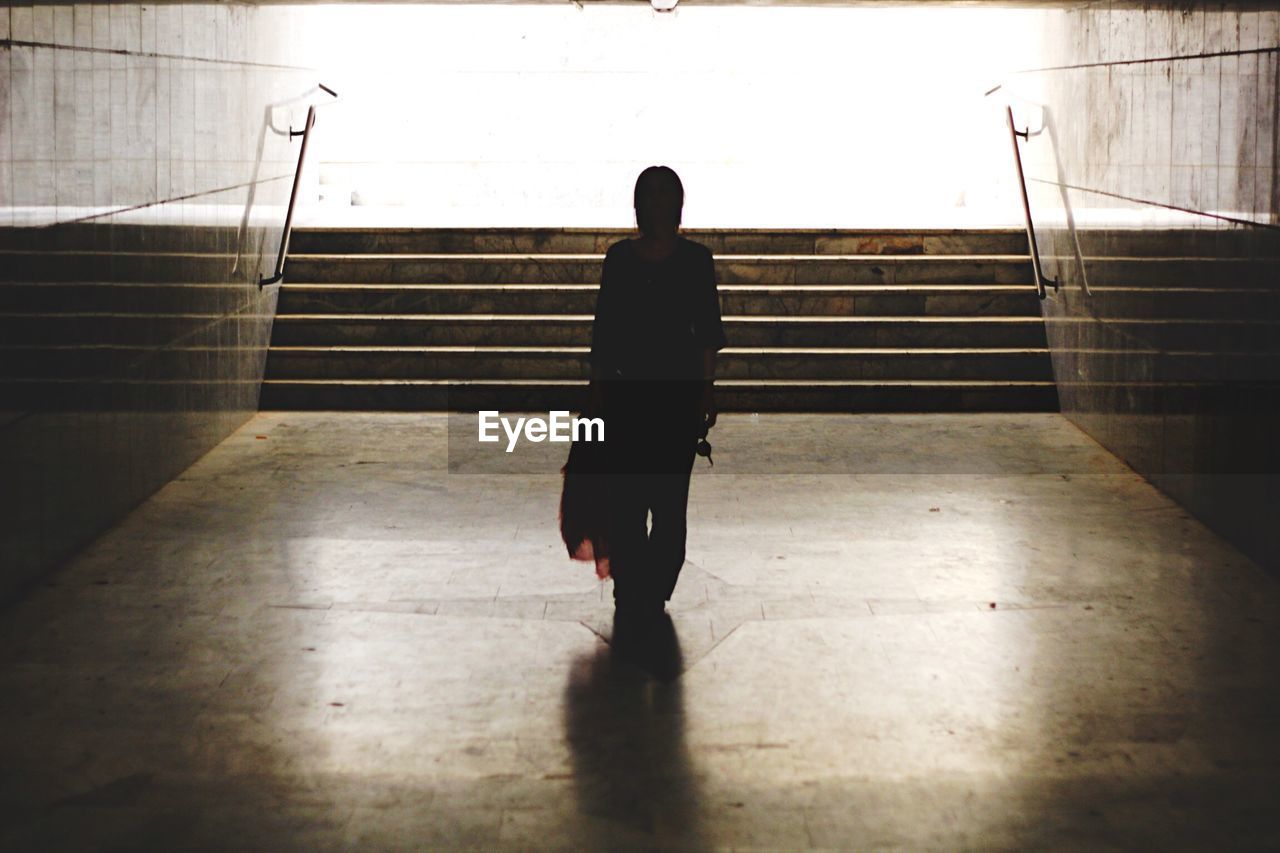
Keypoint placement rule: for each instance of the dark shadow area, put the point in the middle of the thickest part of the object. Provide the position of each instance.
(624, 722)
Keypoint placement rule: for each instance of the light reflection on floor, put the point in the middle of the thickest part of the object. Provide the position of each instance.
(912, 631)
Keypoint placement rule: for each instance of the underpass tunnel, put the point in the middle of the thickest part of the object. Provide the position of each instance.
(981, 552)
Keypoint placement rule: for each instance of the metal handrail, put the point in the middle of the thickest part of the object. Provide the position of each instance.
(1036, 269)
(305, 133)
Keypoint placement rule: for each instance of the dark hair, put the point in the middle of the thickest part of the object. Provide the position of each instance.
(659, 176)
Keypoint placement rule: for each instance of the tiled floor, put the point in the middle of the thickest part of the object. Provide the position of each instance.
(912, 631)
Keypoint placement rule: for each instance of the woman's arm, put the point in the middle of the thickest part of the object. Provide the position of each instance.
(709, 330)
(707, 400)
(708, 366)
(602, 336)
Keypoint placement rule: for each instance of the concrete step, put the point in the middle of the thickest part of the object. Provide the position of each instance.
(198, 267)
(30, 362)
(1113, 301)
(730, 269)
(1223, 242)
(732, 395)
(787, 241)
(1118, 301)
(575, 330)
(733, 363)
(87, 329)
(779, 269)
(907, 320)
(793, 300)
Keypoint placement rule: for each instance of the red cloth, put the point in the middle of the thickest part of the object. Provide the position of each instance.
(584, 503)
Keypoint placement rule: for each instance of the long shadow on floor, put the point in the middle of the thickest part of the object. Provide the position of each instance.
(624, 722)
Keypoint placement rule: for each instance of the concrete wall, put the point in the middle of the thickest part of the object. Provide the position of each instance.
(1161, 139)
(141, 196)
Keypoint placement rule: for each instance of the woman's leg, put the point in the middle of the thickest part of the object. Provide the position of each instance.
(626, 446)
(628, 537)
(669, 499)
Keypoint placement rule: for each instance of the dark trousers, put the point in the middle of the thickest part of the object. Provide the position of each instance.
(650, 435)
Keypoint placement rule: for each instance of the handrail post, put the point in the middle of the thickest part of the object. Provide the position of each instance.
(1036, 269)
(293, 200)
(1066, 206)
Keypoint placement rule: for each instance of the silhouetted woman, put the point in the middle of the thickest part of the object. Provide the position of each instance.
(653, 349)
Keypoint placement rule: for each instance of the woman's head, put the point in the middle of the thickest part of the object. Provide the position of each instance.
(659, 198)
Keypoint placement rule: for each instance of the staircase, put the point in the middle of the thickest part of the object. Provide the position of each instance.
(834, 321)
